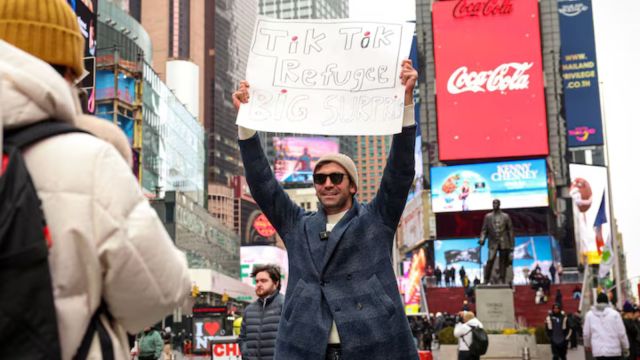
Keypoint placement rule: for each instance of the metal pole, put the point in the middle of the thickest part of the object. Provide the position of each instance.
(614, 226)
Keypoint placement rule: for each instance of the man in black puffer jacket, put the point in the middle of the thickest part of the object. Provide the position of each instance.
(260, 322)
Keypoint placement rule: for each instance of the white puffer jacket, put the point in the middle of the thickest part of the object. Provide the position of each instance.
(604, 332)
(107, 241)
(463, 332)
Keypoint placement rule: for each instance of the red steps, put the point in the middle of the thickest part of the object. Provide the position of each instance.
(450, 300)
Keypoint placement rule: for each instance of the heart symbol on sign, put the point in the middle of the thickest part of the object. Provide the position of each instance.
(212, 328)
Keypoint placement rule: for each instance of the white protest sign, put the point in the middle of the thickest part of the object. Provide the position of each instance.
(330, 77)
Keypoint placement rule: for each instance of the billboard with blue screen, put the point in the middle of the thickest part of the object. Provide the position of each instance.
(529, 252)
(517, 184)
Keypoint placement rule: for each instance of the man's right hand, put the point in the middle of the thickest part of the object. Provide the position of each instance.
(241, 96)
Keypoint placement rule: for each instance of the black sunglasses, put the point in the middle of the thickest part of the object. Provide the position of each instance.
(336, 178)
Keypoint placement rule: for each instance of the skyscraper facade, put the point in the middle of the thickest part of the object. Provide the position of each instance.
(234, 23)
(305, 9)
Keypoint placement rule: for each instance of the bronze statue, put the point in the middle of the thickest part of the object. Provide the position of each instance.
(497, 227)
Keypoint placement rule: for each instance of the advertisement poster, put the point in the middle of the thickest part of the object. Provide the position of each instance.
(256, 228)
(414, 224)
(87, 10)
(251, 256)
(207, 325)
(517, 184)
(412, 281)
(297, 156)
(529, 252)
(579, 73)
(329, 77)
(588, 189)
(489, 79)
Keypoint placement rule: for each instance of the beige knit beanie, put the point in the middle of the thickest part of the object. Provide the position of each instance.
(47, 29)
(344, 161)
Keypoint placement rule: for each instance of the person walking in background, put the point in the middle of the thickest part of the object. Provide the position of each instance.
(259, 328)
(427, 334)
(150, 344)
(631, 328)
(603, 331)
(558, 332)
(575, 324)
(112, 263)
(462, 274)
(465, 337)
(438, 275)
(447, 279)
(559, 297)
(552, 272)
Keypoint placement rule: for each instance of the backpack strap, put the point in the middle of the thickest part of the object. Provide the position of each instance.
(469, 332)
(95, 325)
(31, 134)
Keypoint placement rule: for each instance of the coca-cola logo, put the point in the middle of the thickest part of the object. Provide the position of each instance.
(470, 8)
(509, 76)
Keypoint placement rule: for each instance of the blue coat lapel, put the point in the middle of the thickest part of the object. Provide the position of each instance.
(337, 232)
(314, 225)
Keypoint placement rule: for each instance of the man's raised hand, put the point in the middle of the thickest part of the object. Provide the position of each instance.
(241, 96)
(408, 78)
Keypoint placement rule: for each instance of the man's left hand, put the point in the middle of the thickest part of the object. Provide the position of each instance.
(408, 78)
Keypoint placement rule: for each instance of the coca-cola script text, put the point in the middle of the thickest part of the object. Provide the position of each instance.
(509, 76)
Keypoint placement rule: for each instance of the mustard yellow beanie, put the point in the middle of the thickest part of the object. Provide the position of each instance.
(47, 29)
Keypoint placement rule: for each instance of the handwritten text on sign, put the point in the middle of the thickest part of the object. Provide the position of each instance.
(336, 77)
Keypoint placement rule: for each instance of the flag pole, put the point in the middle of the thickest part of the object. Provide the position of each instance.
(612, 219)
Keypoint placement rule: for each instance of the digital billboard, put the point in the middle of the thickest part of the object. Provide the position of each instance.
(489, 81)
(255, 227)
(529, 252)
(295, 157)
(590, 210)
(86, 11)
(579, 73)
(412, 279)
(517, 184)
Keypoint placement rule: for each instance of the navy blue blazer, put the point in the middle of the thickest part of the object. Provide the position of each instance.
(348, 278)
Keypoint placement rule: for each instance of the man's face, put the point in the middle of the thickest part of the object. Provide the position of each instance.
(335, 198)
(264, 285)
(496, 204)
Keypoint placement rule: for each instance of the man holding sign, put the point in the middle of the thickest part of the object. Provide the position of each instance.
(342, 301)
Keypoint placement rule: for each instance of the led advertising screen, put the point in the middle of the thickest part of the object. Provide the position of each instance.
(489, 80)
(517, 184)
(579, 73)
(296, 156)
(87, 11)
(529, 252)
(588, 190)
(412, 278)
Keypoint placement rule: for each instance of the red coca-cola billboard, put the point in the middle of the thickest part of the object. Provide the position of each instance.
(489, 80)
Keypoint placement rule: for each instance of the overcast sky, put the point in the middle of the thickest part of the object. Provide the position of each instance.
(382, 9)
(618, 56)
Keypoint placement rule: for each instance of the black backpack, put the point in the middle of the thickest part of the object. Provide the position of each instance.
(28, 325)
(479, 341)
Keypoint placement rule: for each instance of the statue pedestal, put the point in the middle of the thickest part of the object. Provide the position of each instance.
(494, 306)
